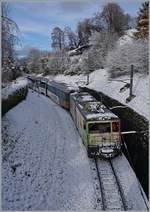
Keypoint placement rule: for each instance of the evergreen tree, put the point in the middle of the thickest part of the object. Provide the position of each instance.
(143, 21)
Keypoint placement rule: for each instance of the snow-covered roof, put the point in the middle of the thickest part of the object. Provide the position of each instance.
(91, 108)
(78, 50)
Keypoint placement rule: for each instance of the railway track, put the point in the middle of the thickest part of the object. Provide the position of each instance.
(111, 194)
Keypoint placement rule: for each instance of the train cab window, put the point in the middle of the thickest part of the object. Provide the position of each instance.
(115, 126)
(99, 128)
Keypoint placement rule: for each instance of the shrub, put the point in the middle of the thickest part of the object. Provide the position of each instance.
(121, 58)
(13, 99)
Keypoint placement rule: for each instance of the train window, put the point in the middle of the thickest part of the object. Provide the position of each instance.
(115, 126)
(42, 84)
(52, 89)
(99, 128)
(49, 88)
(57, 92)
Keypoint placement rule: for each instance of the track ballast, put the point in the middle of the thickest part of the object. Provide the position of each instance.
(110, 190)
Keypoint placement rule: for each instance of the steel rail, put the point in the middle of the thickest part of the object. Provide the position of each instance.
(100, 182)
(119, 187)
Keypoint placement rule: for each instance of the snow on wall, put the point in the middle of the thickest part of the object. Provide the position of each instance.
(13, 87)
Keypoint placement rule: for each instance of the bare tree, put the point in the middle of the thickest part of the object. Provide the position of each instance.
(58, 62)
(114, 18)
(121, 58)
(9, 39)
(57, 37)
(101, 43)
(34, 63)
(71, 38)
(84, 30)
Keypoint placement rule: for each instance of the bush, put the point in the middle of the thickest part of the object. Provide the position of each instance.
(58, 62)
(121, 58)
(13, 99)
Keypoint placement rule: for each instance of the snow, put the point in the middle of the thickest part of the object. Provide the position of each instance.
(45, 164)
(100, 116)
(127, 37)
(13, 87)
(130, 185)
(87, 98)
(100, 81)
(52, 167)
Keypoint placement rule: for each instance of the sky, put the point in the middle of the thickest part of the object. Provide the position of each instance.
(36, 18)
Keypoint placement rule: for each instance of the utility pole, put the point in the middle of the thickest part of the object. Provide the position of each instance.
(131, 81)
(87, 82)
(131, 96)
(88, 71)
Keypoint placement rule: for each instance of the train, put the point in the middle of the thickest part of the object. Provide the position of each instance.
(99, 128)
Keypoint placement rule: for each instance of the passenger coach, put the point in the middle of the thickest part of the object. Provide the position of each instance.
(59, 93)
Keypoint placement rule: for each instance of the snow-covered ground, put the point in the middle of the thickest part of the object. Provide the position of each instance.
(100, 81)
(45, 165)
(13, 87)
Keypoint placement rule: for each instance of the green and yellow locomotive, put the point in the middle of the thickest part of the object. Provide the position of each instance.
(98, 127)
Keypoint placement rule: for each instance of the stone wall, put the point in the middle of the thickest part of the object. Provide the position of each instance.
(137, 144)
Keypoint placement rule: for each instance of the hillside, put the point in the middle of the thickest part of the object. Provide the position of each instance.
(100, 81)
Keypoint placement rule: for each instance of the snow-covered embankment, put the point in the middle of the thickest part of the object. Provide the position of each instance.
(13, 93)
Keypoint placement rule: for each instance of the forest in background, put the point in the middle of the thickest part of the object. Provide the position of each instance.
(92, 46)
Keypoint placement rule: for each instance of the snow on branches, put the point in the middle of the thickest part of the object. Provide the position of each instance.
(121, 58)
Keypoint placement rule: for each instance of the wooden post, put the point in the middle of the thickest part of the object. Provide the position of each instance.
(131, 96)
(87, 82)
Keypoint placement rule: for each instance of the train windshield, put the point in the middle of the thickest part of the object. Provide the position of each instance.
(99, 127)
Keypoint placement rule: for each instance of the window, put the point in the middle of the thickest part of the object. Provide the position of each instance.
(115, 126)
(49, 88)
(99, 128)
(42, 84)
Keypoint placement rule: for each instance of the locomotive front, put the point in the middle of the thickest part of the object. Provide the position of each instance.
(103, 131)
(104, 138)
